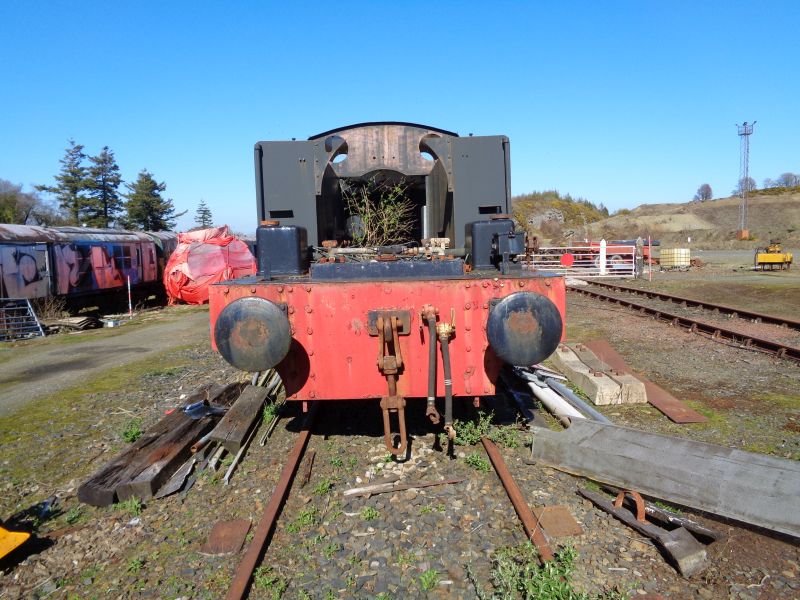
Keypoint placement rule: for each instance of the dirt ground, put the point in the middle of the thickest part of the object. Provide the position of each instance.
(57, 434)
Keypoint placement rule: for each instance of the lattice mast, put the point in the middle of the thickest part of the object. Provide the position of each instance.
(745, 130)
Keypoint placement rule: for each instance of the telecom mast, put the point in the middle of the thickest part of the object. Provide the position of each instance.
(745, 131)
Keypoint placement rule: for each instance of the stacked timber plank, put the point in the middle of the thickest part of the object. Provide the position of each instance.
(148, 463)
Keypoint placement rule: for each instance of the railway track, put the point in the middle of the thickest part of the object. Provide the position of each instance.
(243, 578)
(713, 330)
(694, 302)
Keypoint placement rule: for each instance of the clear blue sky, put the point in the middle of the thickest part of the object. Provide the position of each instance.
(622, 103)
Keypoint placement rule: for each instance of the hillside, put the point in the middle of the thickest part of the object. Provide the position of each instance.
(712, 223)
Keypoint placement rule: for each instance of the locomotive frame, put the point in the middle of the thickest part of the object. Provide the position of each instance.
(339, 322)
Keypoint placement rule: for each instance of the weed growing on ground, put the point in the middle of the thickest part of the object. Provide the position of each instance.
(132, 431)
(323, 487)
(354, 561)
(305, 520)
(591, 485)
(478, 462)
(132, 506)
(336, 461)
(352, 462)
(369, 513)
(303, 595)
(351, 581)
(73, 515)
(668, 507)
(383, 596)
(428, 580)
(330, 550)
(404, 558)
(469, 433)
(271, 411)
(135, 565)
(264, 579)
(516, 573)
(505, 436)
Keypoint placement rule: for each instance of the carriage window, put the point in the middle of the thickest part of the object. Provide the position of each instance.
(122, 257)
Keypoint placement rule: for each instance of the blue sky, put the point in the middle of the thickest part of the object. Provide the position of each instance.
(622, 103)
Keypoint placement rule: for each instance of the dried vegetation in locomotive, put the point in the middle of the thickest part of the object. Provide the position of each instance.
(343, 311)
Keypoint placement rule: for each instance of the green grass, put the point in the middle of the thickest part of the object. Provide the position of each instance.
(336, 461)
(132, 506)
(74, 515)
(265, 580)
(323, 488)
(134, 565)
(132, 431)
(516, 573)
(469, 433)
(305, 520)
(369, 514)
(428, 580)
(478, 462)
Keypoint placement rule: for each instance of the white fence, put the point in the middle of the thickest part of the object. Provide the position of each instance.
(597, 260)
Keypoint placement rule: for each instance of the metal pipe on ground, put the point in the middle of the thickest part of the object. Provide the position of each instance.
(529, 522)
(560, 408)
(575, 401)
(244, 572)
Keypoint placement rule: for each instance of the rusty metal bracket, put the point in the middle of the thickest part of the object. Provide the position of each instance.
(390, 363)
(637, 498)
(403, 317)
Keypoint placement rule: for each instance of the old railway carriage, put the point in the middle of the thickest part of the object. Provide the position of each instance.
(434, 318)
(85, 266)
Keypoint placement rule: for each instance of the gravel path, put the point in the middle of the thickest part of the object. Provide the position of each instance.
(42, 367)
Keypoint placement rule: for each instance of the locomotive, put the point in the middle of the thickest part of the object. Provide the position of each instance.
(436, 319)
(82, 265)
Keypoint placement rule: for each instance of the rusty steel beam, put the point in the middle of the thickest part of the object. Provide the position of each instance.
(733, 311)
(244, 572)
(712, 330)
(531, 524)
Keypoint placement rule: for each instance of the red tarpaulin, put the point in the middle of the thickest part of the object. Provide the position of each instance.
(204, 257)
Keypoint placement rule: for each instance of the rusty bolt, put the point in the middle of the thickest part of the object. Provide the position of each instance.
(311, 353)
(467, 285)
(312, 394)
(280, 289)
(290, 310)
(309, 331)
(468, 348)
(253, 290)
(289, 289)
(485, 305)
(308, 309)
(467, 306)
(308, 288)
(521, 284)
(312, 375)
(467, 328)
(485, 284)
(293, 330)
(547, 282)
(225, 290)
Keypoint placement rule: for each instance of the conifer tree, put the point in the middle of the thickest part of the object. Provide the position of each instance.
(103, 204)
(203, 216)
(147, 209)
(71, 183)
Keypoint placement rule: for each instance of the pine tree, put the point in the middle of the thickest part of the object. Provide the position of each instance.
(203, 216)
(147, 209)
(71, 183)
(104, 203)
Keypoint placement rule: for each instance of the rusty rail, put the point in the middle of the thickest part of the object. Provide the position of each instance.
(713, 330)
(529, 521)
(244, 572)
(690, 302)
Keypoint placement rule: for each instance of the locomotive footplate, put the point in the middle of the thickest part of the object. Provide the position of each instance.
(390, 363)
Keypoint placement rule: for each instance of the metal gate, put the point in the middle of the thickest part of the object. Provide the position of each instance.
(589, 260)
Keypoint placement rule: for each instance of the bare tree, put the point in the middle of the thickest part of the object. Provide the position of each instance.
(748, 184)
(788, 180)
(704, 192)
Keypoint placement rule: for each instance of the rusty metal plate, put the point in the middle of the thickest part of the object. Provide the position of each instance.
(557, 521)
(227, 537)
